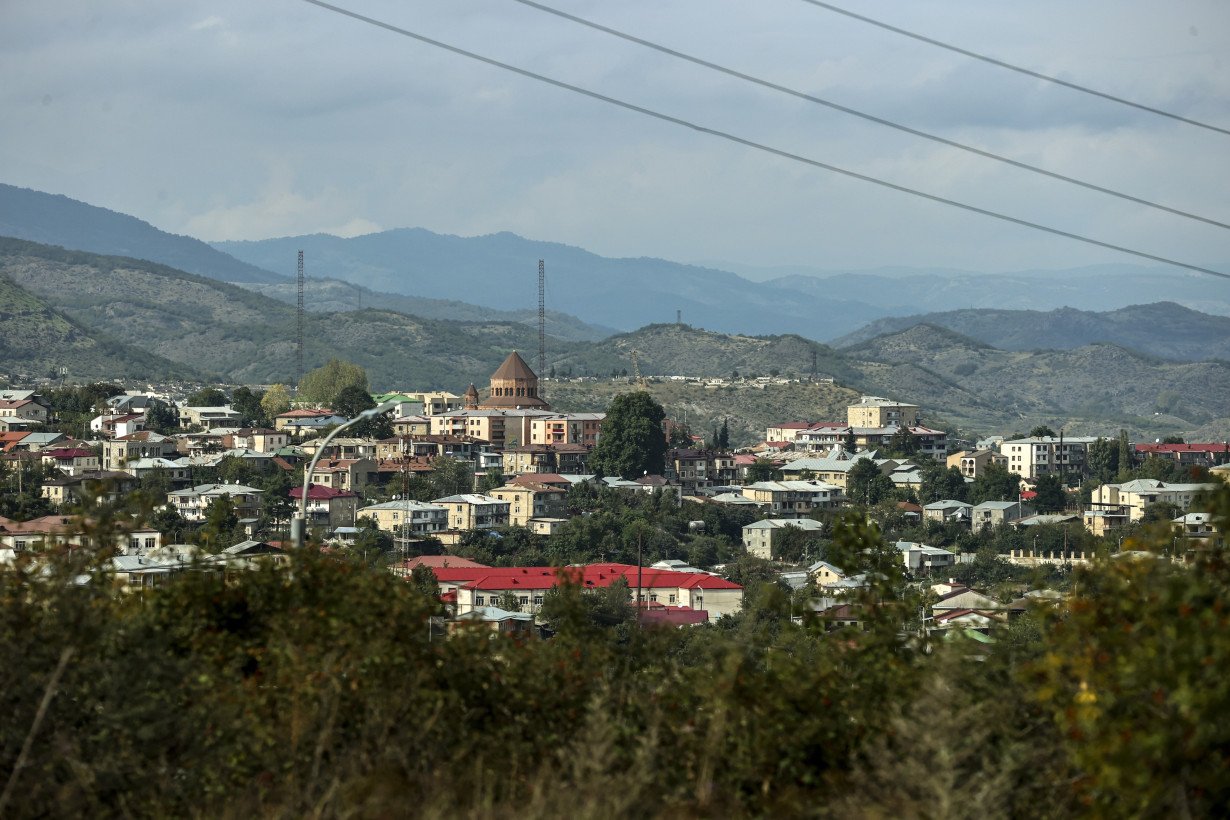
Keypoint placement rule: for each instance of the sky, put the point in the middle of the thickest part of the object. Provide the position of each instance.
(249, 120)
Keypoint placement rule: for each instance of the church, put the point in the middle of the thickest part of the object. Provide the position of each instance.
(514, 386)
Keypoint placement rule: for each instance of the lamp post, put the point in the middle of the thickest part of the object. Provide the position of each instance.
(298, 525)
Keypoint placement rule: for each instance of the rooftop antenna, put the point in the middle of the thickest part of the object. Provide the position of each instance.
(299, 323)
(542, 321)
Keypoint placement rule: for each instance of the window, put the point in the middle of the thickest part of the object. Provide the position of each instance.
(478, 600)
(524, 600)
(537, 600)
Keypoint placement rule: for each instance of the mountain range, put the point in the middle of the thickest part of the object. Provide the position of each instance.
(128, 316)
(1163, 329)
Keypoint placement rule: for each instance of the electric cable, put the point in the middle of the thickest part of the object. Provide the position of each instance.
(752, 144)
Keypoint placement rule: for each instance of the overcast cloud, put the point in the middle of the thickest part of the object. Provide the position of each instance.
(243, 120)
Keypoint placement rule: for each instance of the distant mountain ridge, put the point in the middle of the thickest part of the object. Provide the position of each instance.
(500, 271)
(52, 219)
(1163, 329)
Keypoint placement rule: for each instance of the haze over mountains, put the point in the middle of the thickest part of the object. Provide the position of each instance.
(499, 271)
(108, 316)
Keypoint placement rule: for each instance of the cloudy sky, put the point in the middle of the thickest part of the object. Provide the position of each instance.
(236, 119)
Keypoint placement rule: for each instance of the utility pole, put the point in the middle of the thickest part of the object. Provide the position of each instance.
(542, 323)
(299, 323)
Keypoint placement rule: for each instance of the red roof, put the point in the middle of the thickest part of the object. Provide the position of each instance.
(440, 561)
(593, 576)
(317, 492)
(304, 414)
(1215, 447)
(71, 452)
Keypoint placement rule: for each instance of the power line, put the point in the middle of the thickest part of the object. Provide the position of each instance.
(1027, 72)
(869, 117)
(768, 149)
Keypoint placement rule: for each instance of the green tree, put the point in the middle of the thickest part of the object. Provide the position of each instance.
(1102, 460)
(492, 479)
(207, 397)
(161, 417)
(792, 543)
(1132, 672)
(323, 384)
(221, 524)
(903, 443)
(248, 404)
(1042, 431)
(450, 476)
(762, 470)
(1126, 458)
(352, 400)
(865, 484)
(1051, 496)
(940, 483)
(995, 483)
(275, 402)
(632, 443)
(723, 436)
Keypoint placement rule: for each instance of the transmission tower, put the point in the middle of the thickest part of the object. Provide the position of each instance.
(299, 324)
(542, 320)
(678, 317)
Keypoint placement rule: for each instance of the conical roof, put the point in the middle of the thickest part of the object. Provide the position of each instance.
(514, 367)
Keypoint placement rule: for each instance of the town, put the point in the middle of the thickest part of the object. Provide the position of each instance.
(496, 499)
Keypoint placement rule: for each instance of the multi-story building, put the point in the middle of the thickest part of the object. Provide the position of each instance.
(973, 463)
(499, 428)
(759, 537)
(327, 506)
(990, 514)
(794, 498)
(545, 458)
(527, 501)
(118, 452)
(832, 469)
(260, 439)
(1188, 455)
(1031, 458)
(693, 469)
(194, 501)
(344, 473)
(873, 411)
(70, 460)
(473, 511)
(209, 418)
(659, 588)
(1112, 505)
(408, 518)
(567, 428)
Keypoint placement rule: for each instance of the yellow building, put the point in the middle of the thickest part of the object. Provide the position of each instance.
(526, 501)
(873, 411)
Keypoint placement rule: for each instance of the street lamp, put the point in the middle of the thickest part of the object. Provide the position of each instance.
(298, 526)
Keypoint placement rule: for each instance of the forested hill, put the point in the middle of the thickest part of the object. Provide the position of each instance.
(233, 334)
(52, 219)
(1163, 329)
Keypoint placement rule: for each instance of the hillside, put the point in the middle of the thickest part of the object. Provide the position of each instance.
(748, 409)
(1163, 329)
(334, 295)
(36, 340)
(241, 336)
(1086, 390)
(51, 219)
(682, 350)
(500, 271)
(898, 292)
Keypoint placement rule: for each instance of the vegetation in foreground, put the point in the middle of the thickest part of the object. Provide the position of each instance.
(322, 690)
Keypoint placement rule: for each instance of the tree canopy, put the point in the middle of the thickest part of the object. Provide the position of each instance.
(325, 383)
(632, 442)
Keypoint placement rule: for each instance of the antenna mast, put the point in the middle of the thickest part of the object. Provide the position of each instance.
(299, 324)
(542, 319)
